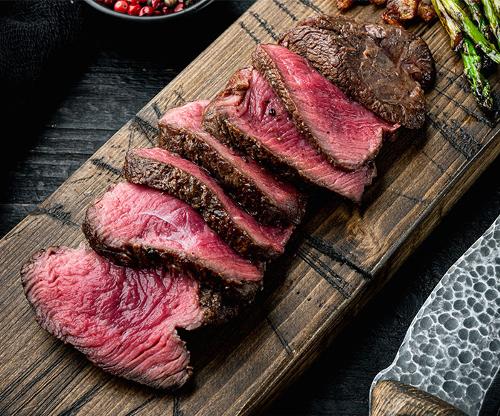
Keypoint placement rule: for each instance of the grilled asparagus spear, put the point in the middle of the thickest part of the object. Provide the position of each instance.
(471, 59)
(493, 17)
(472, 68)
(449, 24)
(460, 16)
(476, 13)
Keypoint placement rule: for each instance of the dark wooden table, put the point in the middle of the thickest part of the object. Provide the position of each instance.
(100, 83)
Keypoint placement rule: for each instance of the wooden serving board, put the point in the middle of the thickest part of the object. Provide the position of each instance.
(339, 259)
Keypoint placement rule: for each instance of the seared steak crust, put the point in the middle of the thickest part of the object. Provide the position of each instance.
(200, 195)
(238, 185)
(137, 227)
(380, 66)
(219, 126)
(345, 132)
(140, 256)
(219, 122)
(253, 148)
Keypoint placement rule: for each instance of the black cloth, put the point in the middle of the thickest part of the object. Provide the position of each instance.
(32, 34)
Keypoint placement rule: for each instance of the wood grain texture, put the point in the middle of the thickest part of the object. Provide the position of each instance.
(341, 257)
(390, 398)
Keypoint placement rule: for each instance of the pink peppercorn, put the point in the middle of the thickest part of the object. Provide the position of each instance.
(121, 6)
(146, 11)
(134, 9)
(146, 7)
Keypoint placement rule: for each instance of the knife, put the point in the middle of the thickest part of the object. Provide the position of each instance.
(451, 352)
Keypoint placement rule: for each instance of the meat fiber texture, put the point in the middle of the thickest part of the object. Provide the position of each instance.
(256, 190)
(344, 131)
(166, 171)
(380, 66)
(124, 320)
(249, 115)
(134, 225)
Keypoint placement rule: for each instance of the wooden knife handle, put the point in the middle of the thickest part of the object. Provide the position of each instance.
(391, 398)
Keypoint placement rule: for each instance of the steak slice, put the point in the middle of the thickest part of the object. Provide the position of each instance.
(348, 134)
(379, 66)
(256, 190)
(249, 116)
(166, 171)
(141, 227)
(124, 320)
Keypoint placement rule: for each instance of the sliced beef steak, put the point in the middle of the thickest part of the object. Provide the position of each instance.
(249, 116)
(347, 133)
(256, 190)
(138, 226)
(380, 66)
(166, 171)
(123, 320)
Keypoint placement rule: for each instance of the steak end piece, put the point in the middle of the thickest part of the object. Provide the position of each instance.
(344, 131)
(406, 50)
(259, 193)
(249, 116)
(383, 67)
(136, 226)
(124, 320)
(166, 171)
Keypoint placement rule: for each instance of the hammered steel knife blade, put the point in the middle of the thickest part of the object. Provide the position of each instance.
(451, 352)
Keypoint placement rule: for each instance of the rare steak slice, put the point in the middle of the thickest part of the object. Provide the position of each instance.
(166, 171)
(249, 116)
(137, 226)
(124, 320)
(347, 133)
(256, 190)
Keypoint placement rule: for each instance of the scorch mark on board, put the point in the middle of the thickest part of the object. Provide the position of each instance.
(310, 5)
(56, 212)
(100, 163)
(147, 129)
(265, 25)
(466, 110)
(83, 400)
(82, 179)
(325, 271)
(285, 9)
(436, 164)
(280, 336)
(407, 197)
(250, 33)
(329, 250)
(137, 409)
(157, 110)
(179, 96)
(176, 410)
(460, 139)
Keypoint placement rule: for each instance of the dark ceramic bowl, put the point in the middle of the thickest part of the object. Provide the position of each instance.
(195, 7)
